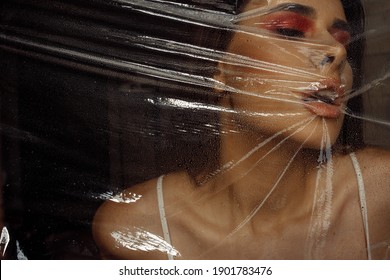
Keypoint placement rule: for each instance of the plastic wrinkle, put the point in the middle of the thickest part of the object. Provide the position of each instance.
(19, 253)
(117, 64)
(322, 206)
(185, 105)
(368, 86)
(178, 11)
(248, 218)
(4, 239)
(121, 197)
(233, 164)
(143, 240)
(255, 113)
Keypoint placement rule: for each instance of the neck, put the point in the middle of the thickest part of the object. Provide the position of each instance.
(260, 171)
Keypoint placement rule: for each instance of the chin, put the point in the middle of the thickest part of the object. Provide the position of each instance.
(319, 134)
(306, 129)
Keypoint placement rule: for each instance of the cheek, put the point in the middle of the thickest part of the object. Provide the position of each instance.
(261, 47)
(264, 61)
(274, 57)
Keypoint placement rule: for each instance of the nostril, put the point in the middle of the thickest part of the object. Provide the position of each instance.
(328, 59)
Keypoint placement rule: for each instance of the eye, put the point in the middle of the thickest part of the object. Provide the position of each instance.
(287, 24)
(290, 32)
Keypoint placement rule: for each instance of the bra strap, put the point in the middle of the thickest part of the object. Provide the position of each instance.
(163, 218)
(363, 202)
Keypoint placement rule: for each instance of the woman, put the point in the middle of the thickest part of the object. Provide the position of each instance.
(282, 188)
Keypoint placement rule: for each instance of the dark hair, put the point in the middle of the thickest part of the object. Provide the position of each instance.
(351, 135)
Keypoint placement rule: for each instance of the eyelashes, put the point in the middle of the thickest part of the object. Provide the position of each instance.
(289, 32)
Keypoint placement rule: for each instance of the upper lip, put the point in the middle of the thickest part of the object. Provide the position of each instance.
(329, 91)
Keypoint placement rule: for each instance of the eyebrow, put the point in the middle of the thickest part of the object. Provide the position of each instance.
(310, 12)
(296, 8)
(342, 25)
(290, 7)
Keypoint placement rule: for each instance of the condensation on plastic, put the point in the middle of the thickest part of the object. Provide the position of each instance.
(238, 106)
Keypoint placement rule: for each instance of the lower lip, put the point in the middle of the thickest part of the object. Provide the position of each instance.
(323, 109)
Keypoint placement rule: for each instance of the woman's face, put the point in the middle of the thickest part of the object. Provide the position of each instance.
(290, 68)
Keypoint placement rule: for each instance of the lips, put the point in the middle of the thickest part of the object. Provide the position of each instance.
(325, 98)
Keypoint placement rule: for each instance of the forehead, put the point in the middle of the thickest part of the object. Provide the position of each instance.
(331, 8)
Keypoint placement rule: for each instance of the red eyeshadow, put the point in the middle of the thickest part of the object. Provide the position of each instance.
(287, 20)
(341, 36)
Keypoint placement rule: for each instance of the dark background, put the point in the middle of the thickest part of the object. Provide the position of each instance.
(79, 124)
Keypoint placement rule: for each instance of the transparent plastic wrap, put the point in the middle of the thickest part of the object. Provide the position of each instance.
(220, 129)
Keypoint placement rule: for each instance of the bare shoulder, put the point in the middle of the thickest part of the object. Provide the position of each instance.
(379, 155)
(128, 226)
(375, 166)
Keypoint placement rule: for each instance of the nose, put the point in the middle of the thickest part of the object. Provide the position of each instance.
(327, 59)
(335, 56)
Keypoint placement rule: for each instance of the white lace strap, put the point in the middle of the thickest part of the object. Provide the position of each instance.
(363, 202)
(163, 218)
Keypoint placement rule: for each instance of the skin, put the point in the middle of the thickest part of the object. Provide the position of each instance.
(214, 220)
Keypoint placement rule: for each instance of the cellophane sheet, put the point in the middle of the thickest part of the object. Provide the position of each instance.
(154, 129)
